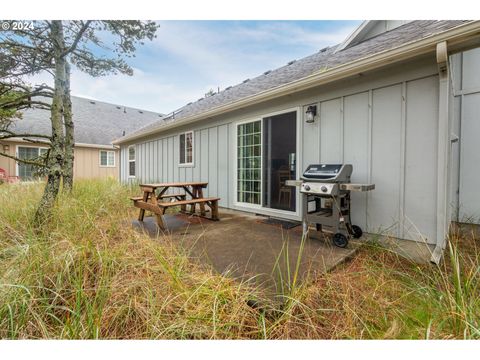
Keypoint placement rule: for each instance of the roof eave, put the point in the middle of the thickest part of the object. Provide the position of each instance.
(406, 51)
(77, 144)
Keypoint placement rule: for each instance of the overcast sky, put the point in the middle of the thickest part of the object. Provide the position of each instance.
(188, 58)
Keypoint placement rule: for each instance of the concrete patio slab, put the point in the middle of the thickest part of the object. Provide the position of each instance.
(241, 246)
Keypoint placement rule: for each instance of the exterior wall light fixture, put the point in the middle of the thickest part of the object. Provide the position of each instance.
(311, 113)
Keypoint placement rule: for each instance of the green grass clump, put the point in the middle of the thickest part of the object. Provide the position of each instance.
(88, 274)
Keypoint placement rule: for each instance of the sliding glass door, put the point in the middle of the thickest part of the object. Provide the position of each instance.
(266, 159)
(279, 161)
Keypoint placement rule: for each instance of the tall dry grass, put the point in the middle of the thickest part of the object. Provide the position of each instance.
(90, 275)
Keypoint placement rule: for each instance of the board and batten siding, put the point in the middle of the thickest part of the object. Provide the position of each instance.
(389, 135)
(158, 161)
(384, 123)
(466, 152)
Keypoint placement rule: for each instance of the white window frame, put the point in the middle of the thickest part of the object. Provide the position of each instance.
(186, 164)
(17, 169)
(294, 215)
(236, 201)
(130, 161)
(100, 158)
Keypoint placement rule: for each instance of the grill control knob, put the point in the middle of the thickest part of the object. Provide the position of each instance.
(324, 188)
(307, 187)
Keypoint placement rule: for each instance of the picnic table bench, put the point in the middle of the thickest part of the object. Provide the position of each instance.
(155, 203)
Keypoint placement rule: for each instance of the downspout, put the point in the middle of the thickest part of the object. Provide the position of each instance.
(443, 153)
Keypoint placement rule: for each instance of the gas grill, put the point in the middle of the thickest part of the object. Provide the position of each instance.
(325, 190)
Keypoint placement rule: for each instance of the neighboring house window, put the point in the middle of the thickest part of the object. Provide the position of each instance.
(107, 158)
(131, 161)
(28, 171)
(186, 148)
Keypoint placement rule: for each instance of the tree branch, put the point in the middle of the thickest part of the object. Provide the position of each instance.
(36, 141)
(77, 38)
(24, 161)
(11, 134)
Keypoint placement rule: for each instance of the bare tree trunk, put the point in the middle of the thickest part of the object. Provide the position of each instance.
(56, 156)
(69, 133)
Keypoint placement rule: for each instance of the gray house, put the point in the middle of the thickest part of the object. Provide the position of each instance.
(400, 100)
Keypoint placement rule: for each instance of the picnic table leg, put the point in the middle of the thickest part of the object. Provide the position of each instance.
(214, 209)
(183, 208)
(160, 220)
(194, 196)
(202, 205)
(141, 214)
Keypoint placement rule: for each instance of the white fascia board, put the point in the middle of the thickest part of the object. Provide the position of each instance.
(96, 146)
(363, 27)
(85, 145)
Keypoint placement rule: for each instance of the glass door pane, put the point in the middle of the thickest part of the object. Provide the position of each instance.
(279, 161)
(249, 162)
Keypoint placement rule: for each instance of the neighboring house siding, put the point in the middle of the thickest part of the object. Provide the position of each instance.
(5, 163)
(466, 152)
(384, 123)
(86, 165)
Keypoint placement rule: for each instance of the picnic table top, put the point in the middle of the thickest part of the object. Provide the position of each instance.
(176, 184)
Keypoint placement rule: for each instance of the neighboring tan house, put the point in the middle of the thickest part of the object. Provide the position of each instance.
(397, 99)
(96, 125)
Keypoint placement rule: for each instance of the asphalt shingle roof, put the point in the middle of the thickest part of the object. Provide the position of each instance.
(95, 122)
(323, 60)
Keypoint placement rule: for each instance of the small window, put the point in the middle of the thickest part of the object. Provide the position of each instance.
(131, 161)
(186, 148)
(107, 158)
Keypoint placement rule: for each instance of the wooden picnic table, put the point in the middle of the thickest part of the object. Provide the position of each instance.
(154, 195)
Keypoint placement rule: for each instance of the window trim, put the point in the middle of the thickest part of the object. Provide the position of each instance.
(129, 161)
(100, 158)
(236, 200)
(186, 164)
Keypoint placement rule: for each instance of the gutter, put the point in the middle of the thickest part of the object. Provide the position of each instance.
(410, 50)
(96, 146)
(83, 145)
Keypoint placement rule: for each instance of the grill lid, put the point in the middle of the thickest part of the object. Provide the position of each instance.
(328, 172)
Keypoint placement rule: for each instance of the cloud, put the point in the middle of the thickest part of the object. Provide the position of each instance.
(188, 58)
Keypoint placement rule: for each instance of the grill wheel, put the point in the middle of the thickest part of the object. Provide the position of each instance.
(357, 231)
(340, 240)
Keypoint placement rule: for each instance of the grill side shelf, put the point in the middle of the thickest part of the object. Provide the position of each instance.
(293, 182)
(357, 187)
